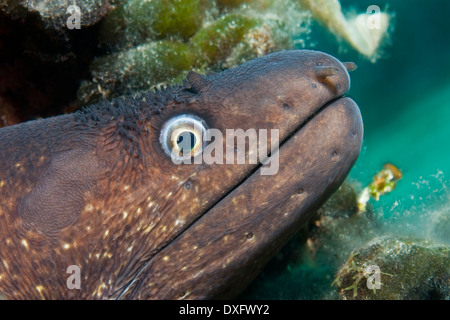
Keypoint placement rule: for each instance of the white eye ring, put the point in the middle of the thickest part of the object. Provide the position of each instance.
(183, 137)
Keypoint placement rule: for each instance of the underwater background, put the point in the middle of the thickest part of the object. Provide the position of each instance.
(405, 102)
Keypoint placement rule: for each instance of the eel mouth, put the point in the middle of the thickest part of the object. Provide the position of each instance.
(223, 250)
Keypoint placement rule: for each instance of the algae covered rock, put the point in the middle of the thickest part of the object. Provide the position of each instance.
(220, 34)
(138, 21)
(42, 61)
(136, 69)
(216, 40)
(396, 269)
(116, 46)
(341, 249)
(232, 3)
(54, 13)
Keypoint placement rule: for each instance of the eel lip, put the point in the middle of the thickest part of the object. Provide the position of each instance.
(219, 254)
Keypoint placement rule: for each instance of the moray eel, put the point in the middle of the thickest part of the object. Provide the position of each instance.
(94, 194)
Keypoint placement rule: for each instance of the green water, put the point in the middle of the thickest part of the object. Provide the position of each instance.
(405, 99)
(405, 102)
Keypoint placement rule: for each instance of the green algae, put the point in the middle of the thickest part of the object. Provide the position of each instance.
(138, 21)
(136, 69)
(216, 40)
(157, 62)
(232, 3)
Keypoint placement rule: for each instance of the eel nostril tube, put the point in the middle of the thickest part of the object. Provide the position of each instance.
(325, 71)
(350, 66)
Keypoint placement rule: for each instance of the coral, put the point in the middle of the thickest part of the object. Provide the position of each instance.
(408, 269)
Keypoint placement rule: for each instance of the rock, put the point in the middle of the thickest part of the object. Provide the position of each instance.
(408, 269)
(8, 115)
(136, 69)
(54, 13)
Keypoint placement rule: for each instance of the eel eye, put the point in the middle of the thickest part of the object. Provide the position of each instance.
(183, 137)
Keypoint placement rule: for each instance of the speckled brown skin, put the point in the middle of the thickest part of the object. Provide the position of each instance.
(95, 189)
